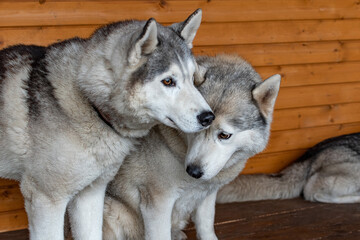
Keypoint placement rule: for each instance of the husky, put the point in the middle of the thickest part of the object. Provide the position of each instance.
(175, 175)
(71, 112)
(327, 172)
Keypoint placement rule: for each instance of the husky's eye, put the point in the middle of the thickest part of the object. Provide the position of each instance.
(224, 136)
(169, 82)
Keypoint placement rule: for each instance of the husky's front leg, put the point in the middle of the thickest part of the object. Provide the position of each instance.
(86, 212)
(45, 214)
(156, 212)
(204, 217)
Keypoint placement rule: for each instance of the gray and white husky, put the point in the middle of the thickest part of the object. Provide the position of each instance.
(174, 175)
(70, 113)
(327, 172)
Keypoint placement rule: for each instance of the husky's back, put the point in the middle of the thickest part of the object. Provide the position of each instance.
(15, 67)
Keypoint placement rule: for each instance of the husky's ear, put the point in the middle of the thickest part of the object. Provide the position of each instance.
(199, 76)
(265, 94)
(187, 29)
(146, 43)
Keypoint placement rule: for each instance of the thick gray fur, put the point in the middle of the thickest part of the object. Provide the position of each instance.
(71, 112)
(327, 172)
(153, 197)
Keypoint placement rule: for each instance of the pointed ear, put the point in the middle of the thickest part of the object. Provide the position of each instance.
(146, 43)
(199, 76)
(265, 94)
(187, 29)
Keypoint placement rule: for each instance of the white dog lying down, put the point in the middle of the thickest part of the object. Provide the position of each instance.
(327, 172)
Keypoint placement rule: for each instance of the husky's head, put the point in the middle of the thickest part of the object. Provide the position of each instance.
(243, 105)
(150, 75)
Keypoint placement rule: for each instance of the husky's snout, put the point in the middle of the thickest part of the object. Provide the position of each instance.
(194, 171)
(206, 118)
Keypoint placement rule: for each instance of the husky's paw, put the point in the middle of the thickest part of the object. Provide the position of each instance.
(207, 237)
(178, 235)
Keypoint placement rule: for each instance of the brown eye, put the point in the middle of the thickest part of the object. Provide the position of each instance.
(169, 82)
(224, 136)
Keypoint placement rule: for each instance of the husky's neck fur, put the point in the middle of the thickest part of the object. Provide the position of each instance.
(96, 62)
(104, 117)
(124, 124)
(178, 147)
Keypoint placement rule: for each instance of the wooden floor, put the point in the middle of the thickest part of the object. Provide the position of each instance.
(293, 219)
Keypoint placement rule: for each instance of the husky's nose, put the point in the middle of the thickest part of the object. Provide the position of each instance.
(194, 171)
(206, 118)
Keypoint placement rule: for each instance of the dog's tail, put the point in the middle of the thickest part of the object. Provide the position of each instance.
(289, 183)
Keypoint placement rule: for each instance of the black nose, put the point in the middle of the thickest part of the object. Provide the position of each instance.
(194, 171)
(206, 118)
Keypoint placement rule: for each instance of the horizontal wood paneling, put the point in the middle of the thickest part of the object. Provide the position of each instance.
(289, 53)
(303, 138)
(32, 13)
(352, 50)
(314, 45)
(210, 33)
(13, 220)
(281, 53)
(277, 31)
(42, 35)
(314, 74)
(7, 182)
(278, 160)
(11, 199)
(302, 96)
(295, 118)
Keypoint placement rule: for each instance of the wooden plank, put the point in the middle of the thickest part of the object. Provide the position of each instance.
(277, 31)
(42, 35)
(11, 199)
(15, 235)
(294, 219)
(6, 182)
(351, 50)
(210, 33)
(313, 74)
(275, 219)
(48, 13)
(13, 220)
(271, 162)
(307, 137)
(305, 96)
(281, 53)
(294, 118)
(289, 53)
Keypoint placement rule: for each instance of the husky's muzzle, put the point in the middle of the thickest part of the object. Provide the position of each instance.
(206, 118)
(194, 171)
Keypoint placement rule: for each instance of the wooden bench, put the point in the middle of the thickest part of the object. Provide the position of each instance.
(293, 219)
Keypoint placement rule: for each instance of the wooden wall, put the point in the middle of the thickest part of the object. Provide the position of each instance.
(314, 45)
